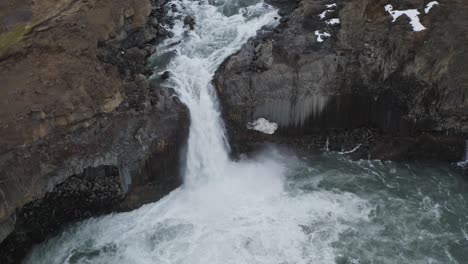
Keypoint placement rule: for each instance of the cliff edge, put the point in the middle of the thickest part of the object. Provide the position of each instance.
(79, 116)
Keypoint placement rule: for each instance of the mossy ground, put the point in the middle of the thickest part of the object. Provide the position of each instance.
(12, 37)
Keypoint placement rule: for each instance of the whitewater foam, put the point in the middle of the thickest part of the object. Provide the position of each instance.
(198, 55)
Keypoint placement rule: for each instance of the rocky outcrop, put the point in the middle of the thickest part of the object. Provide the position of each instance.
(406, 90)
(75, 97)
(95, 191)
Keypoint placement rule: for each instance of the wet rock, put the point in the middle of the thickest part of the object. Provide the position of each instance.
(430, 147)
(163, 32)
(189, 21)
(284, 19)
(174, 8)
(95, 191)
(150, 49)
(166, 75)
(139, 37)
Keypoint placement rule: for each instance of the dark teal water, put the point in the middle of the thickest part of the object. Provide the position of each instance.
(419, 210)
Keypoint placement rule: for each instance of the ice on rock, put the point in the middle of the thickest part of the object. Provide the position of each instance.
(413, 15)
(333, 21)
(321, 35)
(324, 13)
(263, 125)
(429, 6)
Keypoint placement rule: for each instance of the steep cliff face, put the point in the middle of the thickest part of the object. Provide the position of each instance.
(345, 67)
(74, 97)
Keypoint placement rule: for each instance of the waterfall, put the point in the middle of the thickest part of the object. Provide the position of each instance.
(226, 212)
(199, 54)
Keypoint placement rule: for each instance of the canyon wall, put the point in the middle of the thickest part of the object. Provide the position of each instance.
(346, 72)
(79, 116)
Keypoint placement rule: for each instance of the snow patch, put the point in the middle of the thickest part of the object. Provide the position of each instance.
(263, 125)
(333, 21)
(429, 6)
(320, 35)
(413, 15)
(324, 13)
(331, 5)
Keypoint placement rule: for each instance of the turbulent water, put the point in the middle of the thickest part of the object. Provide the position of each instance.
(276, 208)
(222, 28)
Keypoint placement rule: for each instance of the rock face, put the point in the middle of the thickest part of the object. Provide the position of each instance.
(407, 89)
(95, 191)
(75, 98)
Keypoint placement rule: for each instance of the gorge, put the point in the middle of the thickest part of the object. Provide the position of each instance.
(336, 112)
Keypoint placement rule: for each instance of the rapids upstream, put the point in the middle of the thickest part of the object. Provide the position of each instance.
(276, 208)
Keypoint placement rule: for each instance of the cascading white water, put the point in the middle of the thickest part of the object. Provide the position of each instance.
(248, 211)
(197, 57)
(226, 212)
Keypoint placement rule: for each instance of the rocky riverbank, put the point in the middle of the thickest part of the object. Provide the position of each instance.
(83, 131)
(345, 73)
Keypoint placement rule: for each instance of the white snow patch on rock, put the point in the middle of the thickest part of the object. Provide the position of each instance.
(333, 21)
(331, 5)
(429, 6)
(321, 35)
(263, 125)
(413, 15)
(324, 13)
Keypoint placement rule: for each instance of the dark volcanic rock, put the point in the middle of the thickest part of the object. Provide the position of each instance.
(78, 119)
(190, 21)
(371, 73)
(165, 75)
(93, 192)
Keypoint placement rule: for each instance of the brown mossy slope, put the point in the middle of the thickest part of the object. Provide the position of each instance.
(74, 94)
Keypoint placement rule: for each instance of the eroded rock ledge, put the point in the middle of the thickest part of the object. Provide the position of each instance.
(400, 94)
(77, 106)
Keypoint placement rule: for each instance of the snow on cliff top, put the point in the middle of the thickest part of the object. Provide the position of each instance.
(429, 6)
(412, 14)
(333, 21)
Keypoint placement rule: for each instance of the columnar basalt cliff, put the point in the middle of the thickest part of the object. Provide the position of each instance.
(79, 116)
(345, 71)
